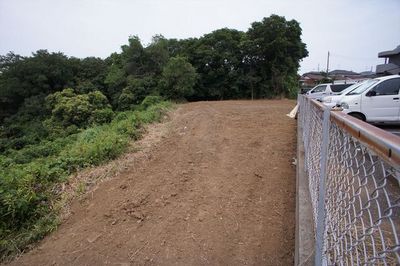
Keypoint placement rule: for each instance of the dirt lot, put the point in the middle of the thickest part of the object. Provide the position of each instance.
(214, 185)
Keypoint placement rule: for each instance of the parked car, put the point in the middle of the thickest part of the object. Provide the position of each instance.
(334, 100)
(376, 100)
(326, 89)
(304, 90)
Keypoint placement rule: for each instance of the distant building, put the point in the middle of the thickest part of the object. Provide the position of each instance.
(392, 62)
(340, 74)
(310, 79)
(346, 76)
(368, 74)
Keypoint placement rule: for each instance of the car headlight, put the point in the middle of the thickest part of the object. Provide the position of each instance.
(344, 105)
(327, 99)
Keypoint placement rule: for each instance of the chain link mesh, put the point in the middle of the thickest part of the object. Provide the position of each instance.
(362, 194)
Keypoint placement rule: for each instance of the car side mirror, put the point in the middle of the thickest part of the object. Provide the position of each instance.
(371, 93)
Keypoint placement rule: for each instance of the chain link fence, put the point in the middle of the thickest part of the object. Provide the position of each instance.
(353, 174)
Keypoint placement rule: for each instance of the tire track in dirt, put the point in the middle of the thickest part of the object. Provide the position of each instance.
(219, 189)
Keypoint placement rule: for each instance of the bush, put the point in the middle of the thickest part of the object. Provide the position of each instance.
(80, 110)
(94, 146)
(135, 91)
(151, 100)
(41, 150)
(29, 175)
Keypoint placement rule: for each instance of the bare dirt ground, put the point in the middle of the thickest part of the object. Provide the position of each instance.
(215, 185)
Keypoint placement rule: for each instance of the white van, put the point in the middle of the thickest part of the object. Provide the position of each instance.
(325, 89)
(376, 100)
(334, 100)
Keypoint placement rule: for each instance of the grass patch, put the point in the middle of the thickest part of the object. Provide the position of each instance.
(30, 176)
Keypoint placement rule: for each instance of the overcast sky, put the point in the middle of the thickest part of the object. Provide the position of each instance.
(354, 31)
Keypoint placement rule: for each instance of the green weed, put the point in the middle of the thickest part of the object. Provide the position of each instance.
(28, 201)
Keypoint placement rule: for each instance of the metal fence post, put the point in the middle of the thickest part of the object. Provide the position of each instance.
(352, 170)
(320, 231)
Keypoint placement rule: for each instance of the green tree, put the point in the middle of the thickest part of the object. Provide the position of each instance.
(25, 127)
(91, 70)
(85, 87)
(135, 91)
(43, 73)
(115, 81)
(178, 78)
(218, 58)
(77, 110)
(133, 57)
(156, 55)
(273, 52)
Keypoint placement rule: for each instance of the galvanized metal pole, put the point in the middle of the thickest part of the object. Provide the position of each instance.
(327, 65)
(321, 215)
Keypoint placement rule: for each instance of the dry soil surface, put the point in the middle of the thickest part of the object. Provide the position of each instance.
(216, 188)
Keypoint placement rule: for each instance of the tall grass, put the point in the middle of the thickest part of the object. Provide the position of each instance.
(28, 176)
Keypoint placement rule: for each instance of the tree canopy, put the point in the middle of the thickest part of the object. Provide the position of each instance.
(224, 64)
(178, 78)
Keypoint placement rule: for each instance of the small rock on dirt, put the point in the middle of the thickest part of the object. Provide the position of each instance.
(93, 237)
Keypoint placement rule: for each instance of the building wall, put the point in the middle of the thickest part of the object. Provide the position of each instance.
(395, 59)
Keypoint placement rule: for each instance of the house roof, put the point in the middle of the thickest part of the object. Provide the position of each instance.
(339, 72)
(390, 53)
(367, 73)
(312, 75)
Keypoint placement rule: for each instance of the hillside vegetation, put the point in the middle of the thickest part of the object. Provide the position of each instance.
(60, 114)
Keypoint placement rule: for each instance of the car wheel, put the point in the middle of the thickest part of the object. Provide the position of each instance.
(358, 116)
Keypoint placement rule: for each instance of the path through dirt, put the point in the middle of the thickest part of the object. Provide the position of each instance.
(218, 188)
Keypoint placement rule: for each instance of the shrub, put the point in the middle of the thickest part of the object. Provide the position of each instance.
(29, 175)
(151, 100)
(135, 91)
(80, 110)
(95, 145)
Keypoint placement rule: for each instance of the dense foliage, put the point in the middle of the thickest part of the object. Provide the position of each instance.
(60, 113)
(228, 64)
(30, 176)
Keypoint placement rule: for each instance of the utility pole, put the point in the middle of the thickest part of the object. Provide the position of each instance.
(327, 65)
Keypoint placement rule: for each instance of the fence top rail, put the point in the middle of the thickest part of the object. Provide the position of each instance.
(385, 144)
(318, 104)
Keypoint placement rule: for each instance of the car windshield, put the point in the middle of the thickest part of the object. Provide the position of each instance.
(352, 87)
(363, 87)
(319, 88)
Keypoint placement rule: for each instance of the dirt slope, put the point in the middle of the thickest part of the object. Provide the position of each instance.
(218, 188)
